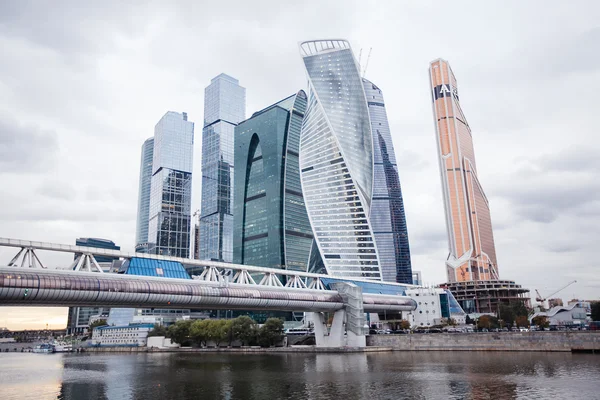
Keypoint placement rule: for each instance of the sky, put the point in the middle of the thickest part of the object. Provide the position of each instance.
(82, 85)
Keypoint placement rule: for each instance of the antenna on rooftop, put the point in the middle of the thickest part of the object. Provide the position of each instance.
(359, 58)
(367, 62)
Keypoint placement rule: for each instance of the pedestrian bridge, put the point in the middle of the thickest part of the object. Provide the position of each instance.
(27, 282)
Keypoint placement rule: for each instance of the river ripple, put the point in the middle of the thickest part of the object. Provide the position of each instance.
(391, 375)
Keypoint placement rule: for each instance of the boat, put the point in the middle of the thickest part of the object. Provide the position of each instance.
(44, 348)
(62, 347)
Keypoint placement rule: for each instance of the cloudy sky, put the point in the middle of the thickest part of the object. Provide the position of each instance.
(82, 86)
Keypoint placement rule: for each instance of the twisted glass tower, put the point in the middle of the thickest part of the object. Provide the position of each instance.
(336, 162)
(141, 235)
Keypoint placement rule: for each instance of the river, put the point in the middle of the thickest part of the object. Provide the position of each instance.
(389, 375)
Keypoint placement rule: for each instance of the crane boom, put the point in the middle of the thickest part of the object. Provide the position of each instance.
(562, 288)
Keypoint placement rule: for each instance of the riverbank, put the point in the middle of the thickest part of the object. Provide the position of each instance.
(512, 341)
(243, 350)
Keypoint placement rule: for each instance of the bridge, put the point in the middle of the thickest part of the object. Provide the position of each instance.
(26, 281)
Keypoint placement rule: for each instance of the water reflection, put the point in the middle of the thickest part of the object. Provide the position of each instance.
(416, 375)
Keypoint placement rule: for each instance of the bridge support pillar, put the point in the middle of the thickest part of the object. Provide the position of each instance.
(348, 327)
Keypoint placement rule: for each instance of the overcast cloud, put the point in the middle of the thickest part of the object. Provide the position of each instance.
(82, 85)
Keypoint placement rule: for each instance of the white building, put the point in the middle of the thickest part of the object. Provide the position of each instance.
(433, 305)
(130, 335)
(576, 313)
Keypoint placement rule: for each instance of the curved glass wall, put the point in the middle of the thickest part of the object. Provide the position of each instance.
(387, 207)
(336, 161)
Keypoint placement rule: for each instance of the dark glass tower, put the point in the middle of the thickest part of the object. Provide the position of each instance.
(224, 108)
(387, 208)
(271, 227)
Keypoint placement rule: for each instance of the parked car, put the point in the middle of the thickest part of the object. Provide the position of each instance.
(523, 330)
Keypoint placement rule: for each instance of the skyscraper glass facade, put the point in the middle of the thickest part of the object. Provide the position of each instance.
(171, 186)
(224, 108)
(336, 161)
(387, 208)
(141, 235)
(271, 227)
(472, 254)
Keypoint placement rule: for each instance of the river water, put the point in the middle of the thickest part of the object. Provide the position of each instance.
(390, 375)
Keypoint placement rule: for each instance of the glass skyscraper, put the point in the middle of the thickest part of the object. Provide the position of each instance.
(171, 186)
(337, 162)
(224, 108)
(387, 208)
(271, 227)
(141, 234)
(472, 254)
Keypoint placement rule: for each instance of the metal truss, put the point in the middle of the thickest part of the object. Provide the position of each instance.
(28, 258)
(86, 262)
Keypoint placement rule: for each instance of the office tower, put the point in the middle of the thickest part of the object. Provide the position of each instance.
(472, 255)
(98, 243)
(387, 208)
(79, 317)
(141, 234)
(224, 108)
(271, 227)
(171, 187)
(336, 162)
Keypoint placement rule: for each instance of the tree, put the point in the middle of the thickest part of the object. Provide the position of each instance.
(158, 330)
(522, 321)
(541, 321)
(199, 331)
(506, 313)
(179, 332)
(404, 324)
(595, 310)
(484, 322)
(468, 320)
(271, 332)
(244, 329)
(95, 324)
(219, 330)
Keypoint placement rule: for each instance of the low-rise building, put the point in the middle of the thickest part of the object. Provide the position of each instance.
(574, 314)
(134, 335)
(434, 305)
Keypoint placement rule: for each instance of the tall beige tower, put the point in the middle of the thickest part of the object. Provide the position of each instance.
(472, 254)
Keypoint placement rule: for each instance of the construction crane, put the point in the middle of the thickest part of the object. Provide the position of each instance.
(367, 62)
(542, 299)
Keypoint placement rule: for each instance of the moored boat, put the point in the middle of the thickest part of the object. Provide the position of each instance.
(44, 348)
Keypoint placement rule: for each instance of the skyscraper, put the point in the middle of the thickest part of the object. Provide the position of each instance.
(472, 255)
(171, 187)
(271, 227)
(141, 234)
(224, 108)
(336, 162)
(387, 209)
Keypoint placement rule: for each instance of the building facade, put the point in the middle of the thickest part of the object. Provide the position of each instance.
(141, 234)
(169, 227)
(387, 209)
(78, 319)
(134, 335)
(224, 108)
(336, 162)
(472, 254)
(271, 227)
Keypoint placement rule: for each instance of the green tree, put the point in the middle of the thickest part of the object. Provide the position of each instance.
(595, 310)
(199, 331)
(158, 330)
(95, 324)
(468, 320)
(179, 332)
(541, 321)
(244, 329)
(271, 332)
(507, 314)
(220, 331)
